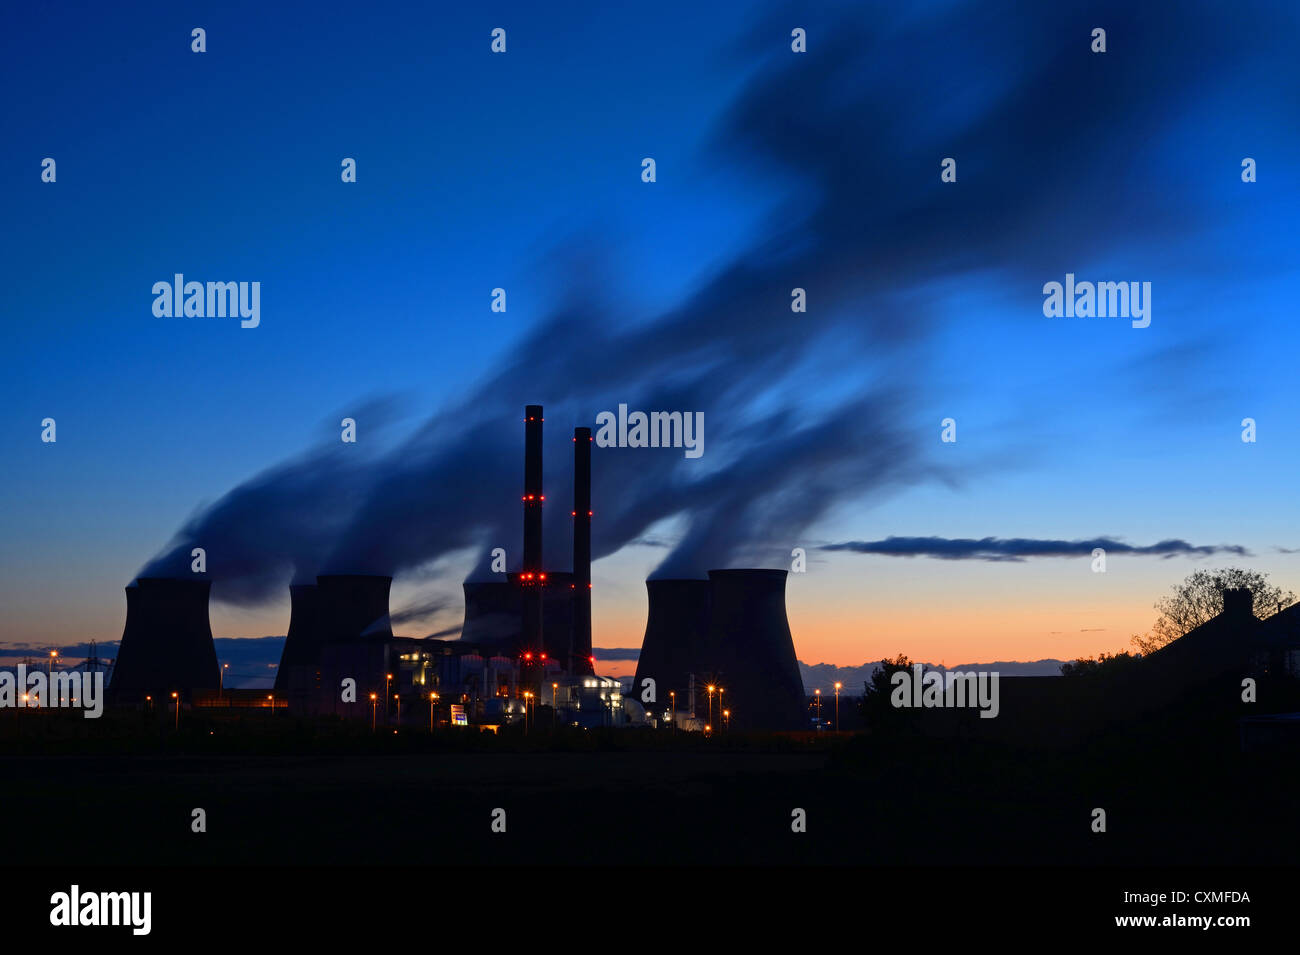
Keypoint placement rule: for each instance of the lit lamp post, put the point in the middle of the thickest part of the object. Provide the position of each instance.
(177, 698)
(726, 720)
(721, 690)
(397, 698)
(221, 690)
(818, 693)
(527, 697)
(555, 689)
(711, 689)
(148, 701)
(49, 668)
(373, 703)
(432, 697)
(672, 695)
(388, 680)
(837, 706)
(271, 699)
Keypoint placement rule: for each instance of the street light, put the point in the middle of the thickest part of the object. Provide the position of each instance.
(221, 690)
(271, 699)
(373, 704)
(555, 689)
(818, 693)
(388, 679)
(432, 697)
(837, 706)
(711, 689)
(177, 698)
(672, 694)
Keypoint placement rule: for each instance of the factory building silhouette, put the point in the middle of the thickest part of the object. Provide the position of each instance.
(526, 639)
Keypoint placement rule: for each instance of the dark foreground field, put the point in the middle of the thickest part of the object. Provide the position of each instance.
(1188, 797)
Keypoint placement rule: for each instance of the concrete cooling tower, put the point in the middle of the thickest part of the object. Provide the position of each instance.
(676, 634)
(302, 643)
(750, 647)
(353, 607)
(730, 629)
(166, 643)
(492, 614)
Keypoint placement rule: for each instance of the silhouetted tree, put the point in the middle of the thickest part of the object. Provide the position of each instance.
(1103, 664)
(1200, 598)
(877, 711)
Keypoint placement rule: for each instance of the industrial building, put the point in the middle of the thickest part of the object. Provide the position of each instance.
(525, 641)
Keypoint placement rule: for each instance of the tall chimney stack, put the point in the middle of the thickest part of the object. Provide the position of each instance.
(581, 646)
(531, 575)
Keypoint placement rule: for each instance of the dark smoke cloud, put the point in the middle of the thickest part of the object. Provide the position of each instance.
(802, 412)
(419, 611)
(1019, 548)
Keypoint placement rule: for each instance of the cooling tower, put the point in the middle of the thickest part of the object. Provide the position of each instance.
(302, 643)
(752, 651)
(580, 652)
(167, 642)
(676, 634)
(352, 607)
(492, 611)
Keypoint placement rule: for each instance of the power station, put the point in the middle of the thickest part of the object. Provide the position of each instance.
(525, 641)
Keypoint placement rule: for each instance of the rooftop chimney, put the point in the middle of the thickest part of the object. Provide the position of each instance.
(580, 652)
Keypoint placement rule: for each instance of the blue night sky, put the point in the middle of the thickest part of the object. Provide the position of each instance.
(774, 170)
